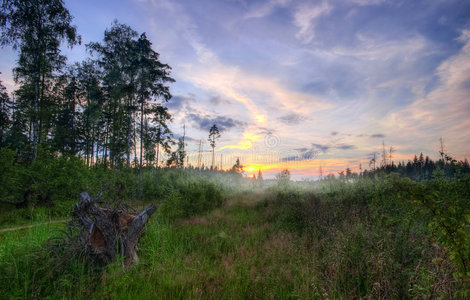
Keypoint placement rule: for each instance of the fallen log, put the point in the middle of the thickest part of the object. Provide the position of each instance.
(108, 233)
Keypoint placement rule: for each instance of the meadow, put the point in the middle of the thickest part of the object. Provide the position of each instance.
(218, 235)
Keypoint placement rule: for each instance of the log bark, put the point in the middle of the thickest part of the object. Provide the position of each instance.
(108, 233)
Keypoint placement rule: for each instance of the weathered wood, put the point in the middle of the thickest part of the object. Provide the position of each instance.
(108, 232)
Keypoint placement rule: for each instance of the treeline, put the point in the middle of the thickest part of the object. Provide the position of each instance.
(419, 168)
(424, 168)
(108, 109)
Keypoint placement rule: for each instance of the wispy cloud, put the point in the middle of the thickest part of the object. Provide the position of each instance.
(367, 2)
(445, 110)
(380, 49)
(306, 18)
(305, 154)
(266, 8)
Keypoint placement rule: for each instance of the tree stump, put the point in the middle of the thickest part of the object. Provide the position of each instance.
(109, 233)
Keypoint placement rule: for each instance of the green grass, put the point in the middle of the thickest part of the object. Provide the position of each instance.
(335, 240)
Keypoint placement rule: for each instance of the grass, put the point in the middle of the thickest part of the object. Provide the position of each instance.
(333, 241)
(33, 214)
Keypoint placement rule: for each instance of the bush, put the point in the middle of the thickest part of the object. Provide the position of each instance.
(189, 197)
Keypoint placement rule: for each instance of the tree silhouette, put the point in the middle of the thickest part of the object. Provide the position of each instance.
(237, 167)
(214, 134)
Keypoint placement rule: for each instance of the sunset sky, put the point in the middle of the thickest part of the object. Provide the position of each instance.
(300, 84)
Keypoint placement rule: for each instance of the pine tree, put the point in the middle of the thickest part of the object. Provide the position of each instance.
(214, 134)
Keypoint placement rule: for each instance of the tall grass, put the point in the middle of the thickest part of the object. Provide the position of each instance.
(372, 238)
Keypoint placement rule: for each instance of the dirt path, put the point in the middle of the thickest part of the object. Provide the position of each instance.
(31, 226)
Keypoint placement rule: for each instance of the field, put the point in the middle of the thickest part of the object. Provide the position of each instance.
(218, 236)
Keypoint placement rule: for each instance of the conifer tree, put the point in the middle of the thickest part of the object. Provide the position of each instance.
(214, 134)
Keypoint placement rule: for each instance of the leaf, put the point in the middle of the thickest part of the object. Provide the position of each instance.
(467, 218)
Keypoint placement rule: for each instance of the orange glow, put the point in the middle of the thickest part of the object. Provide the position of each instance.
(306, 167)
(247, 142)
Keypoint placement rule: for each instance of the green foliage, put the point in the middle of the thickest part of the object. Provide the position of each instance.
(373, 238)
(334, 239)
(37, 28)
(449, 209)
(11, 176)
(283, 179)
(189, 197)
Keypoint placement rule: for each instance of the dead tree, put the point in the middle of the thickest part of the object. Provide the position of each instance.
(109, 233)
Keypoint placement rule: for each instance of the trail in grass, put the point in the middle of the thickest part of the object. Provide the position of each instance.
(32, 225)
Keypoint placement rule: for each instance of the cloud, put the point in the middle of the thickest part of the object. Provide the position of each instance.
(306, 18)
(178, 102)
(265, 9)
(345, 147)
(205, 122)
(291, 119)
(176, 136)
(442, 112)
(265, 131)
(322, 148)
(306, 154)
(217, 100)
(246, 143)
(373, 48)
(187, 27)
(367, 71)
(367, 2)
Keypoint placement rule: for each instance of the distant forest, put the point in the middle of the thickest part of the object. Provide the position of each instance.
(419, 168)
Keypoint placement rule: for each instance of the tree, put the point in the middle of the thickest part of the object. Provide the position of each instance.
(283, 178)
(37, 28)
(69, 93)
(384, 156)
(91, 118)
(237, 167)
(391, 150)
(116, 55)
(135, 89)
(442, 149)
(260, 178)
(214, 134)
(160, 117)
(150, 84)
(178, 156)
(373, 160)
(5, 113)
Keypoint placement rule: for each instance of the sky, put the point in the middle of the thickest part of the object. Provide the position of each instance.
(301, 84)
